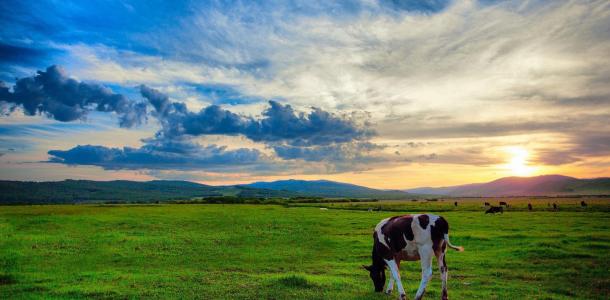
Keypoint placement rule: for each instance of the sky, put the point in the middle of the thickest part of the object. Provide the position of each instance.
(389, 94)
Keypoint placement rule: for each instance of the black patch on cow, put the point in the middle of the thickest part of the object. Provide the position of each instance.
(423, 221)
(437, 232)
(396, 230)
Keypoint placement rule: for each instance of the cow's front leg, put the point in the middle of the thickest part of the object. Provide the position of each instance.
(396, 275)
(390, 286)
(426, 270)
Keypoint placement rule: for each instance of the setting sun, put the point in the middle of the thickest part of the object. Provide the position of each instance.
(518, 164)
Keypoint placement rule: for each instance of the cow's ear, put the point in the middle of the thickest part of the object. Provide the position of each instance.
(368, 268)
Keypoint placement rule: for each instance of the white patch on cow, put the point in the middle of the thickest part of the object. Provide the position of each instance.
(422, 236)
(390, 286)
(380, 235)
(433, 219)
(425, 254)
(410, 248)
(396, 275)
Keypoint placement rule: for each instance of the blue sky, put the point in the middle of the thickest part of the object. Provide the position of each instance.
(384, 93)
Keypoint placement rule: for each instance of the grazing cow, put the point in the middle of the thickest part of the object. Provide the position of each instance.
(503, 203)
(411, 238)
(495, 209)
(487, 204)
(529, 206)
(583, 203)
(455, 203)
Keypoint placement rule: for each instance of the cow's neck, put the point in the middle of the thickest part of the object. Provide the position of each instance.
(378, 261)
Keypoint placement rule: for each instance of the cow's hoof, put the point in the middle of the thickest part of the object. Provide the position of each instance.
(403, 297)
(388, 292)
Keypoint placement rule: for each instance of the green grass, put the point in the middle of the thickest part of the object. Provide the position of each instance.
(274, 252)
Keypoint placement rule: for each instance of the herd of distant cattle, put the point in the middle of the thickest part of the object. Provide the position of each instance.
(500, 209)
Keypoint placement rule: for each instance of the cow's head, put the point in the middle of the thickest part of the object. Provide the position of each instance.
(377, 274)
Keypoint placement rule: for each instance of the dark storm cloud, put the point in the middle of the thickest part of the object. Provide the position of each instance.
(57, 96)
(279, 123)
(156, 155)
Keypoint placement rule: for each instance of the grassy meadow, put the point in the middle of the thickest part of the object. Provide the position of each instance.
(277, 252)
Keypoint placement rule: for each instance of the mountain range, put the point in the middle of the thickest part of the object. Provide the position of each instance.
(82, 191)
(544, 185)
(329, 189)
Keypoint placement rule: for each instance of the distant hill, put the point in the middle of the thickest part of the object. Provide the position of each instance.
(80, 191)
(329, 189)
(545, 185)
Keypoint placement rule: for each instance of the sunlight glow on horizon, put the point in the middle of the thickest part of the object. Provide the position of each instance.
(518, 164)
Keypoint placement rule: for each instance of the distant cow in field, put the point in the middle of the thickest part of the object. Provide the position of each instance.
(529, 206)
(495, 209)
(487, 204)
(455, 203)
(503, 203)
(583, 204)
(410, 238)
(555, 207)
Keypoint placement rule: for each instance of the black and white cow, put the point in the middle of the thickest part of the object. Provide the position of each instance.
(411, 238)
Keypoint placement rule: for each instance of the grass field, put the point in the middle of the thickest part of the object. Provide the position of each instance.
(275, 252)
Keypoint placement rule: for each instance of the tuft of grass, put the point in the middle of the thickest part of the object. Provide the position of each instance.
(6, 279)
(295, 281)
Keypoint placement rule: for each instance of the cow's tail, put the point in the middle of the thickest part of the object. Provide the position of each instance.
(458, 248)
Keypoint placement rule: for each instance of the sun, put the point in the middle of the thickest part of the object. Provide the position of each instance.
(518, 164)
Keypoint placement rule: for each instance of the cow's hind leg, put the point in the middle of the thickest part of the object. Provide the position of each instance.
(426, 271)
(442, 265)
(396, 275)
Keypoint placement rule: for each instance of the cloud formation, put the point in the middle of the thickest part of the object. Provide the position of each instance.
(343, 152)
(179, 155)
(57, 96)
(54, 94)
(279, 123)
(323, 136)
